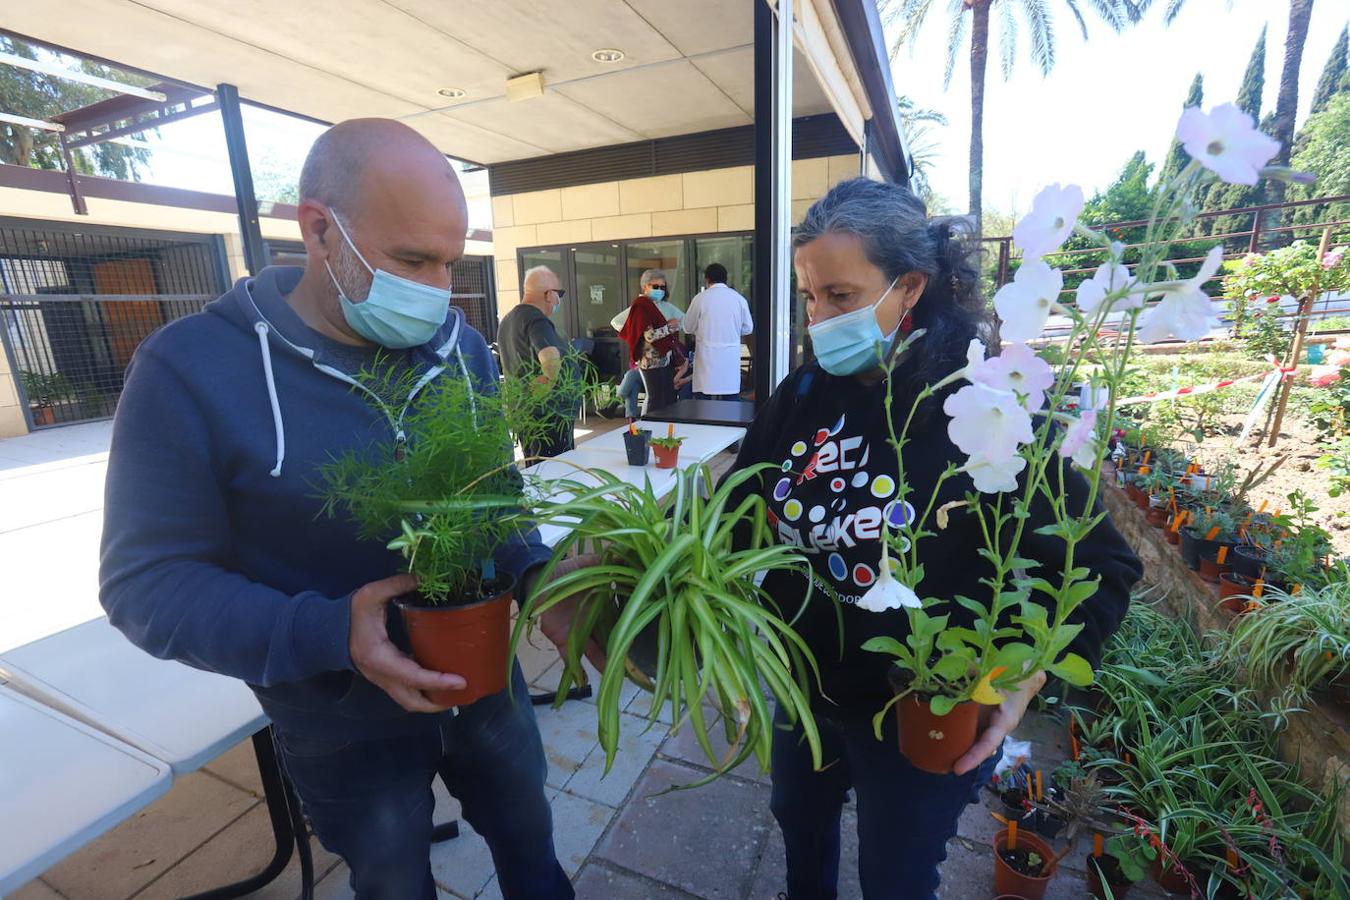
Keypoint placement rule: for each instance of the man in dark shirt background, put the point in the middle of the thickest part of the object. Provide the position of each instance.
(530, 347)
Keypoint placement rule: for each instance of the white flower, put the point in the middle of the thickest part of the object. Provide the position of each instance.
(1019, 370)
(1226, 142)
(1080, 441)
(1090, 397)
(1053, 215)
(887, 593)
(994, 474)
(1108, 279)
(986, 420)
(1024, 304)
(1185, 310)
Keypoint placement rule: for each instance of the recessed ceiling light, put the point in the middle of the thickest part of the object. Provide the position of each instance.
(451, 93)
(607, 55)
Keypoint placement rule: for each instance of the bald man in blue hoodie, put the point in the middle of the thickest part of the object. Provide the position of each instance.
(215, 552)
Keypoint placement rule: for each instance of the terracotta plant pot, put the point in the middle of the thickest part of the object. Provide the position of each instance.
(666, 457)
(1211, 568)
(1109, 874)
(1168, 877)
(1234, 592)
(637, 446)
(1156, 516)
(43, 415)
(934, 743)
(1173, 536)
(472, 641)
(1008, 880)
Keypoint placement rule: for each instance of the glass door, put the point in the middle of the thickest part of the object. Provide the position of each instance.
(597, 289)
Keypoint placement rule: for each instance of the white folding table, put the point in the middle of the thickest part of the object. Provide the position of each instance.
(174, 713)
(62, 784)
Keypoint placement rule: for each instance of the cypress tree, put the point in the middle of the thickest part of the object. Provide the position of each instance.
(1177, 157)
(1254, 80)
(1332, 80)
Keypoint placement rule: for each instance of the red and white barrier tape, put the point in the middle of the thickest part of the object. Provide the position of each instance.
(1209, 388)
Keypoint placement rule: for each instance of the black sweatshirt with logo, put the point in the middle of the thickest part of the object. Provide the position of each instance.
(834, 485)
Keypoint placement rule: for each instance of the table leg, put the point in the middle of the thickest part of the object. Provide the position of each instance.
(284, 812)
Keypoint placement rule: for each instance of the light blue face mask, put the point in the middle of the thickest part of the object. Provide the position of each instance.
(847, 344)
(656, 295)
(397, 313)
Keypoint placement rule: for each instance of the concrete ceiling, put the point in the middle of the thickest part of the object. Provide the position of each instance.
(688, 64)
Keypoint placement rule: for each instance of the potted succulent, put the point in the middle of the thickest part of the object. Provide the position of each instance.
(1210, 530)
(444, 501)
(1299, 557)
(667, 449)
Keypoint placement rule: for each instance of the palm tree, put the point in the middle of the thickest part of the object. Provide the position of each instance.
(1286, 104)
(917, 123)
(973, 16)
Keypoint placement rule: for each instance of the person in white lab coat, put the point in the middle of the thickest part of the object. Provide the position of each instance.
(718, 317)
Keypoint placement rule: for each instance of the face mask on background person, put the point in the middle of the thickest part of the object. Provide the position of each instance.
(847, 344)
(558, 295)
(397, 313)
(656, 294)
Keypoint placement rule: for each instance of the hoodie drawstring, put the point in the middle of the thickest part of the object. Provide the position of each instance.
(265, 348)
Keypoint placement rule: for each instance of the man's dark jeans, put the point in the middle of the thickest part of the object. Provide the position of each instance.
(371, 801)
(905, 816)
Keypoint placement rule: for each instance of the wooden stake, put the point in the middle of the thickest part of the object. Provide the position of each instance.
(1300, 331)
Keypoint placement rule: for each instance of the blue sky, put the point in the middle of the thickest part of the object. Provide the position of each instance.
(1105, 99)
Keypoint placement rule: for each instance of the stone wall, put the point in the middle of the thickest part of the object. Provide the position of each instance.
(1318, 739)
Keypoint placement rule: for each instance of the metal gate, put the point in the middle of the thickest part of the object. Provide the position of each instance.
(76, 301)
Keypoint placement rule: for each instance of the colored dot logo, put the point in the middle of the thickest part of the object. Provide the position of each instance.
(883, 486)
(837, 484)
(822, 436)
(782, 488)
(863, 576)
(817, 513)
(792, 510)
(799, 448)
(898, 515)
(787, 465)
(860, 480)
(838, 568)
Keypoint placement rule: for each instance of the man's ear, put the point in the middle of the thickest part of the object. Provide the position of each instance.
(316, 228)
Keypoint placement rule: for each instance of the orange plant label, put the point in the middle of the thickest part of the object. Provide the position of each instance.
(1262, 508)
(1097, 847)
(1213, 533)
(1259, 588)
(1012, 835)
(1147, 454)
(1223, 554)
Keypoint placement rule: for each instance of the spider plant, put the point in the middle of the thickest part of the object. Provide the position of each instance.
(1294, 643)
(685, 578)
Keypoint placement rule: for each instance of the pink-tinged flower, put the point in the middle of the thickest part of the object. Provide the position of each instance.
(1080, 441)
(1324, 376)
(1185, 310)
(1225, 141)
(1333, 258)
(986, 420)
(1339, 358)
(994, 474)
(1019, 370)
(1053, 214)
(1108, 279)
(886, 593)
(1024, 304)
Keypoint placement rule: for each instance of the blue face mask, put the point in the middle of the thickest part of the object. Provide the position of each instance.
(847, 344)
(397, 313)
(656, 295)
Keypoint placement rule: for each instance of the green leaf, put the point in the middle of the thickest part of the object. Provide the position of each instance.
(941, 705)
(1073, 669)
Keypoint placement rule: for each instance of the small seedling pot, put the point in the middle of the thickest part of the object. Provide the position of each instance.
(1013, 802)
(1234, 591)
(471, 641)
(1210, 567)
(1248, 561)
(637, 446)
(1047, 824)
(666, 457)
(1193, 545)
(1008, 880)
(1173, 536)
(43, 415)
(934, 743)
(1104, 872)
(1156, 516)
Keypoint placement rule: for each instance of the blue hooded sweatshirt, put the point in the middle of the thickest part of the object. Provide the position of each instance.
(215, 552)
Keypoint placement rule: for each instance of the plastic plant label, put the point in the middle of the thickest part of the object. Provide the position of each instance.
(1259, 588)
(1213, 533)
(1223, 553)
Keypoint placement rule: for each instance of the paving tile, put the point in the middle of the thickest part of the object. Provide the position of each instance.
(569, 737)
(37, 889)
(599, 882)
(1066, 885)
(641, 705)
(704, 841)
(577, 826)
(143, 847)
(239, 766)
(638, 742)
(966, 873)
(684, 746)
(976, 824)
(536, 655)
(243, 848)
(771, 877)
(463, 865)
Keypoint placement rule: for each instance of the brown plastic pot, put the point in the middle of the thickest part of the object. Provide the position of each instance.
(43, 415)
(1234, 591)
(1168, 877)
(1110, 873)
(471, 641)
(666, 457)
(934, 743)
(1173, 536)
(1008, 880)
(1156, 516)
(1211, 568)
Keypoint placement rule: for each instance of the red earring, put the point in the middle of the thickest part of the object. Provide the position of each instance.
(907, 323)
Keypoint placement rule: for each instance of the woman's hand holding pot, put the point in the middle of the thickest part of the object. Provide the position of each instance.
(1005, 718)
